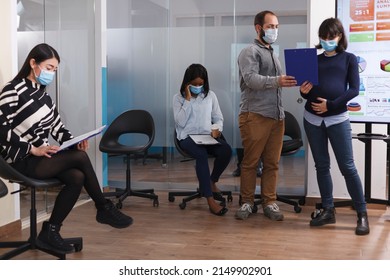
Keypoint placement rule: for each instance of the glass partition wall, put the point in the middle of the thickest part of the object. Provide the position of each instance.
(69, 27)
(150, 43)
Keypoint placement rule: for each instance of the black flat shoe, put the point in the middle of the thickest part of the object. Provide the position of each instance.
(220, 212)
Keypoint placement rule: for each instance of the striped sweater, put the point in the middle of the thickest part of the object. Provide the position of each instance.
(27, 117)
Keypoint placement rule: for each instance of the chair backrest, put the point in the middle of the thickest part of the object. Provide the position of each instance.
(131, 121)
(9, 173)
(291, 126)
(292, 130)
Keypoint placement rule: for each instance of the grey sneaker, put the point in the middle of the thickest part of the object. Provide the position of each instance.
(272, 212)
(244, 211)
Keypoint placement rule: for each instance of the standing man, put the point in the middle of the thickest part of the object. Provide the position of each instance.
(261, 117)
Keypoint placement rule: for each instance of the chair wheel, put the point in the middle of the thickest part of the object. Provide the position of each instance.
(182, 205)
(297, 209)
(254, 209)
(230, 198)
(119, 205)
(240, 201)
(171, 198)
(155, 202)
(302, 201)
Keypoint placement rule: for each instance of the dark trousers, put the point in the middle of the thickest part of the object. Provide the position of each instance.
(222, 153)
(74, 169)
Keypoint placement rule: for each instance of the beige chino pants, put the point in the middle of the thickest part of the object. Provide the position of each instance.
(261, 137)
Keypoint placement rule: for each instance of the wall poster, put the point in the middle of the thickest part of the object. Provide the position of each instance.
(367, 27)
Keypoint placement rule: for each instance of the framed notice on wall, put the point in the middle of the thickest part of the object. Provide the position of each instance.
(367, 27)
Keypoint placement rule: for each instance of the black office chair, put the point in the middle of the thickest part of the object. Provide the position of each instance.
(191, 195)
(131, 122)
(3, 189)
(291, 145)
(9, 173)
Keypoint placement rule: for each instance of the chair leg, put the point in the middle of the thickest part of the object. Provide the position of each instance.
(189, 195)
(30, 244)
(288, 200)
(171, 195)
(123, 194)
(228, 194)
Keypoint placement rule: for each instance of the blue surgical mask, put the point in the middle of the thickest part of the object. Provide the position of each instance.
(270, 35)
(45, 77)
(196, 89)
(329, 45)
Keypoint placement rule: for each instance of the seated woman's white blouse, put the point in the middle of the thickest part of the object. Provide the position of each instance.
(197, 115)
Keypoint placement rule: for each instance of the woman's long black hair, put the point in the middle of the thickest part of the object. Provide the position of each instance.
(39, 53)
(192, 72)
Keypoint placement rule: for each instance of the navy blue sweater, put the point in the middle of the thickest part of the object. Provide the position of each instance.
(338, 78)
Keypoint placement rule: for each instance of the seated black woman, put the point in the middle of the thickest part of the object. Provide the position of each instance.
(195, 109)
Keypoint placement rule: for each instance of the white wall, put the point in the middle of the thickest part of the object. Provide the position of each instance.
(9, 205)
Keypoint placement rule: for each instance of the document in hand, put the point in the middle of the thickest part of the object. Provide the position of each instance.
(203, 139)
(302, 64)
(82, 137)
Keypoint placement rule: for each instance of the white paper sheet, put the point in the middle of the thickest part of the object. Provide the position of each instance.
(203, 139)
(82, 137)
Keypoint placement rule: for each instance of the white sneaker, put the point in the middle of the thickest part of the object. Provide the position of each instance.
(244, 211)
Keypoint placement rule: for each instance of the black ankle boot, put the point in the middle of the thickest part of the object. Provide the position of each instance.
(362, 227)
(326, 216)
(109, 214)
(49, 238)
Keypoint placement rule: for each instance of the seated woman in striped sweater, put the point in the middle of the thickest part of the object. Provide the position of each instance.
(27, 117)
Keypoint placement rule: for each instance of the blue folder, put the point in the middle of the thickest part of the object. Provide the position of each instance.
(302, 64)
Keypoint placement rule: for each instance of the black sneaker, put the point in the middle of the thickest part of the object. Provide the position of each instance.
(362, 227)
(50, 239)
(323, 217)
(110, 215)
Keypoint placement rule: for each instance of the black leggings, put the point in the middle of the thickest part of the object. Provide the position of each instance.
(71, 167)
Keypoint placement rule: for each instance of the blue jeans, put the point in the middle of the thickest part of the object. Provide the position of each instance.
(222, 154)
(340, 138)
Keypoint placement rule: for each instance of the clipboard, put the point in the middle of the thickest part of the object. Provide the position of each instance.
(203, 139)
(82, 137)
(302, 64)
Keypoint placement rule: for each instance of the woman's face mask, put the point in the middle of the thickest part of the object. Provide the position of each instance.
(45, 77)
(329, 45)
(196, 89)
